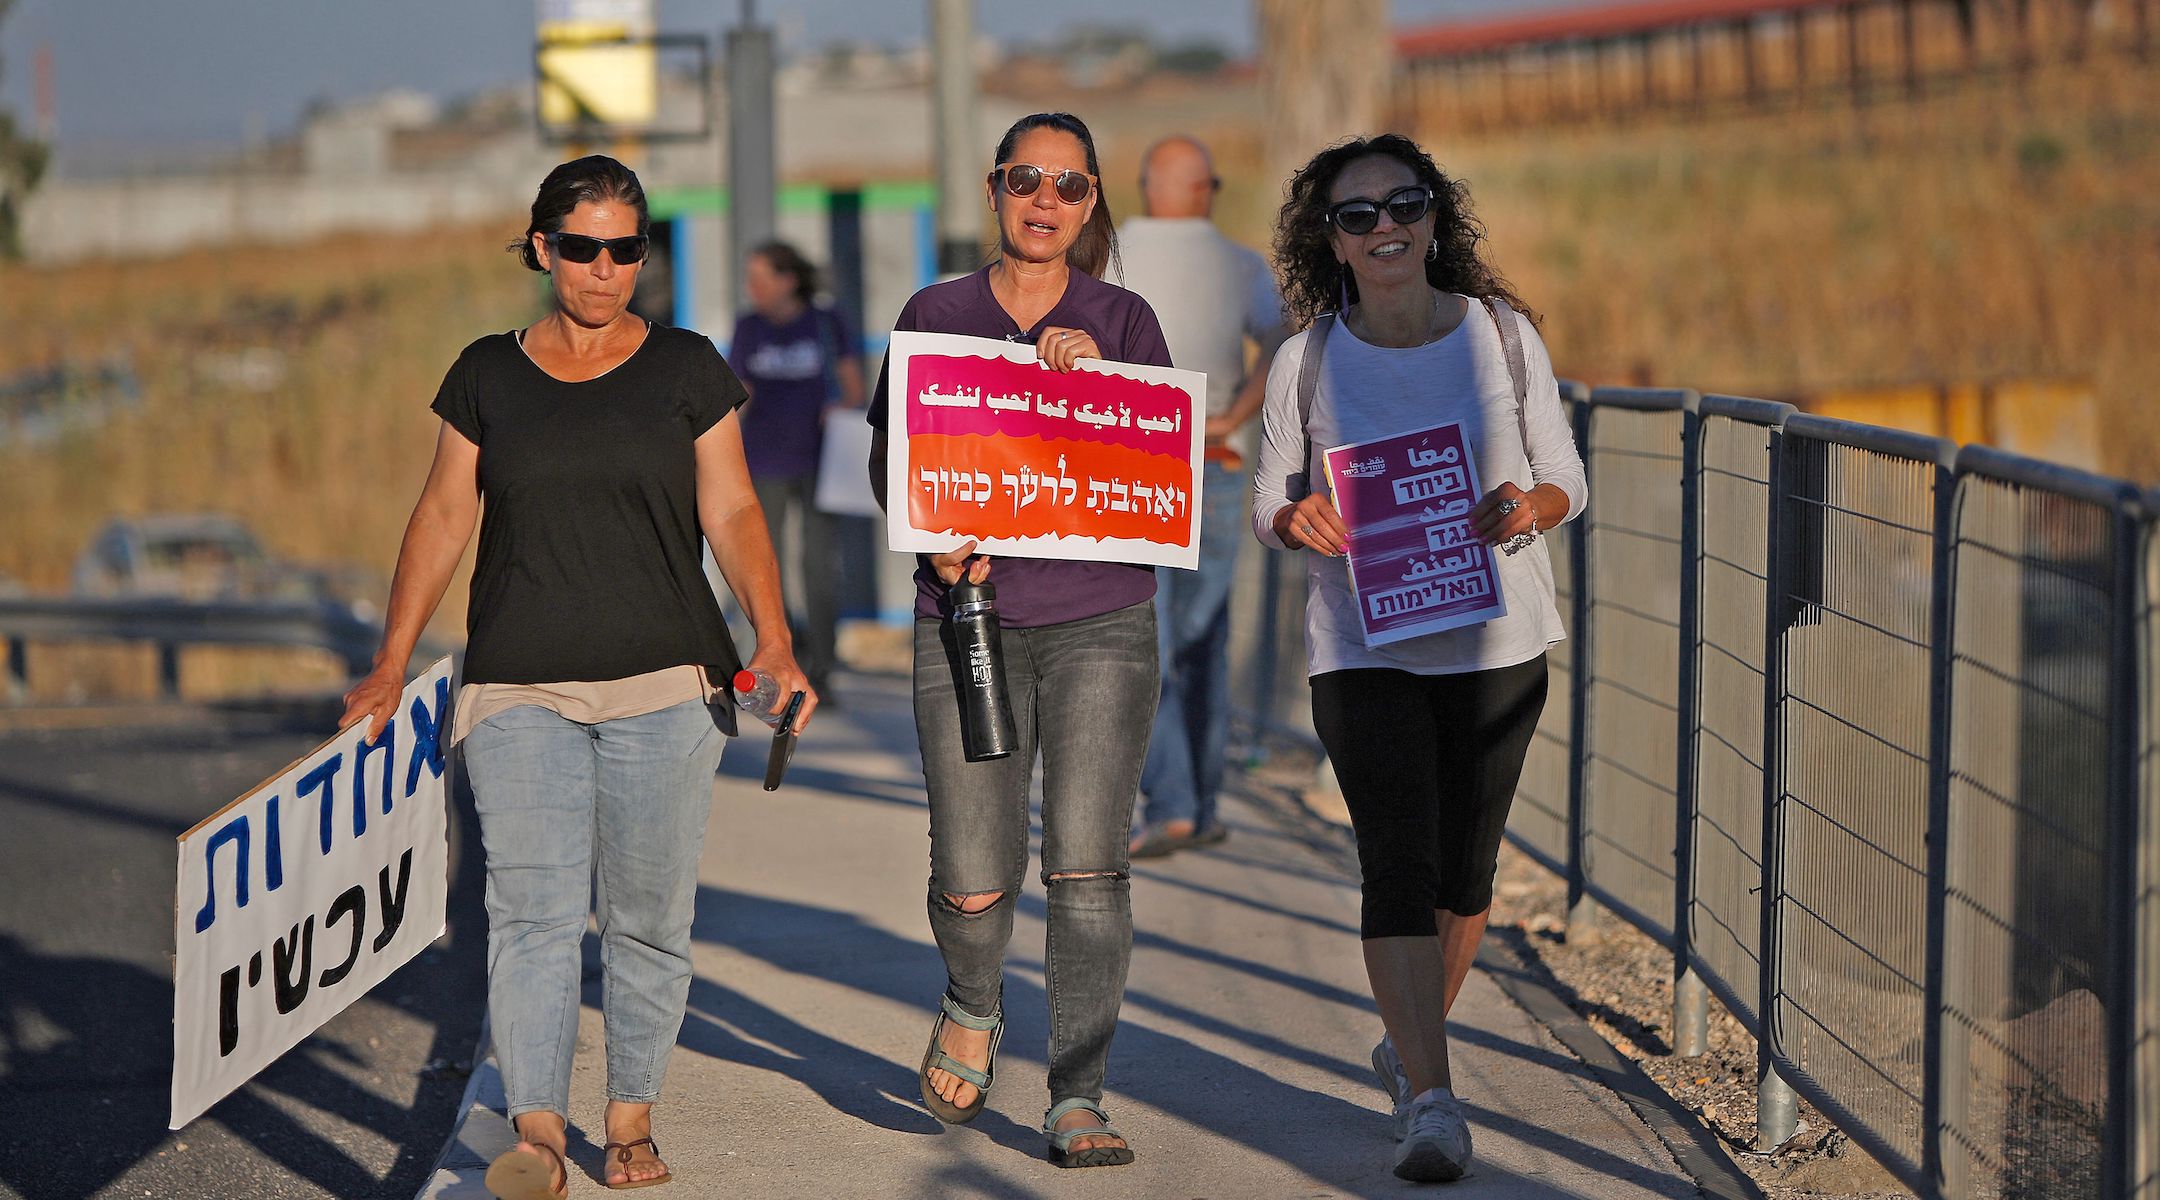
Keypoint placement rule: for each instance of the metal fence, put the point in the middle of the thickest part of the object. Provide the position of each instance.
(1866, 730)
(170, 624)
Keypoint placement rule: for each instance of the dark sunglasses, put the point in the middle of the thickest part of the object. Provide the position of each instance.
(579, 248)
(1359, 216)
(1023, 179)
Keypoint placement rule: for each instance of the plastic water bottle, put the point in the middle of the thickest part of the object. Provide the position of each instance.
(759, 695)
(986, 720)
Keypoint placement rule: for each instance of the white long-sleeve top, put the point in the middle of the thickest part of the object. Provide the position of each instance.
(1366, 392)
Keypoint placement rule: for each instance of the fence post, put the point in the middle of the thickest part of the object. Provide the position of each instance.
(1943, 1073)
(2119, 1156)
(1582, 911)
(1691, 999)
(168, 670)
(1776, 1110)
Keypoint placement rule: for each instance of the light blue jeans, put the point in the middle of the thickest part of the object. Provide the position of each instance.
(573, 817)
(1192, 616)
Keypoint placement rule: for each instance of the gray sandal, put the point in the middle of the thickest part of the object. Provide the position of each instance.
(935, 1059)
(1061, 1140)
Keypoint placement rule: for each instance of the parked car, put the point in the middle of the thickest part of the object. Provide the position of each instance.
(206, 556)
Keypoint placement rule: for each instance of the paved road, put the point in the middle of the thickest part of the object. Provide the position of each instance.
(87, 821)
(1239, 1068)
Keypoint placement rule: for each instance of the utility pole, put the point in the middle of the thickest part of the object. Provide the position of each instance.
(753, 176)
(959, 159)
(1326, 71)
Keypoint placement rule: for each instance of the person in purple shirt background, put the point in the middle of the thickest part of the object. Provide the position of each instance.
(1080, 663)
(798, 359)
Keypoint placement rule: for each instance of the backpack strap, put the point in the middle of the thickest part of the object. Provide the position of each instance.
(1503, 319)
(1308, 381)
(1511, 346)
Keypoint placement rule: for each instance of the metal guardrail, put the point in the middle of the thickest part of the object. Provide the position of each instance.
(1866, 730)
(173, 623)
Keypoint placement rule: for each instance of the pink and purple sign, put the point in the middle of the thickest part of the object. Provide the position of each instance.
(1416, 565)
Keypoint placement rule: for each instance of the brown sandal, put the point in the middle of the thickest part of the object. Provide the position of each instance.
(621, 1151)
(516, 1175)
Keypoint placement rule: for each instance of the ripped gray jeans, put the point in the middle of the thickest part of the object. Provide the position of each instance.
(1083, 695)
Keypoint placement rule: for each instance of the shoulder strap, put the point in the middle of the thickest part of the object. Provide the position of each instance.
(1503, 319)
(1308, 381)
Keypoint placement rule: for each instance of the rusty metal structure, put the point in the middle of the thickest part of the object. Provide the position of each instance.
(1620, 60)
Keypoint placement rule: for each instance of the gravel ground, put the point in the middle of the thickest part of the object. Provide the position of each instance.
(1621, 982)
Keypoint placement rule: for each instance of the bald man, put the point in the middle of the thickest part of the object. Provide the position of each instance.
(1213, 297)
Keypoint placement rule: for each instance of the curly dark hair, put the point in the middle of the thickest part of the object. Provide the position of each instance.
(1314, 283)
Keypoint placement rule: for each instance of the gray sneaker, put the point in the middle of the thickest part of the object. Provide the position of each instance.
(1436, 1144)
(1395, 1081)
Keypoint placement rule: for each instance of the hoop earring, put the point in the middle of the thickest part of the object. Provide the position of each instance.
(1432, 250)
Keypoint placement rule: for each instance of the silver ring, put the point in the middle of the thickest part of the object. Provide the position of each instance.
(1508, 506)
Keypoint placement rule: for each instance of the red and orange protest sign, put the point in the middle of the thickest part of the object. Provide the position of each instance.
(1100, 462)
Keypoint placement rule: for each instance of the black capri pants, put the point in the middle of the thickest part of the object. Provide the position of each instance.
(1428, 766)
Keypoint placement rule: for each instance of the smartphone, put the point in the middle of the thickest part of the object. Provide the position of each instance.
(783, 743)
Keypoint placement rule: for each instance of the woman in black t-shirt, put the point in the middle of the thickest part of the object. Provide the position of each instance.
(592, 706)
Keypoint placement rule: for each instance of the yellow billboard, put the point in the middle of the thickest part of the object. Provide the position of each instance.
(597, 64)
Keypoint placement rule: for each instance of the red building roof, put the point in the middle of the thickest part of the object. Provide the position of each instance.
(1591, 23)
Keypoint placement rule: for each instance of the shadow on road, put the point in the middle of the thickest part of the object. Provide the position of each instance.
(86, 1034)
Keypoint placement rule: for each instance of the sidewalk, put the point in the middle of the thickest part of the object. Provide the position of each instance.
(1239, 1068)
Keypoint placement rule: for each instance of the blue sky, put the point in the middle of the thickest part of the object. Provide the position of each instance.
(151, 73)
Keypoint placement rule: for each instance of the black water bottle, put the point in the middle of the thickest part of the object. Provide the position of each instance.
(986, 720)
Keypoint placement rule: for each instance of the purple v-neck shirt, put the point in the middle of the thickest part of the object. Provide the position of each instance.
(1038, 591)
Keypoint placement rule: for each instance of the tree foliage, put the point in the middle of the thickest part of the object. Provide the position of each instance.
(22, 164)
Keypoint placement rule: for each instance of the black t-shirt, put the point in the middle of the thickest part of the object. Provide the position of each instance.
(590, 564)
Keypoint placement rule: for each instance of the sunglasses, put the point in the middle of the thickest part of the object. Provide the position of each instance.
(579, 248)
(1024, 179)
(1404, 206)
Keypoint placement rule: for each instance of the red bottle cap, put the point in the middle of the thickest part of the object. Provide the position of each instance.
(745, 681)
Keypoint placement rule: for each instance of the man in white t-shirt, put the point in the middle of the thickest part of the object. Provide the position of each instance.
(1212, 296)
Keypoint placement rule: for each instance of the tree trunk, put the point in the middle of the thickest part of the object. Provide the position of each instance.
(1326, 73)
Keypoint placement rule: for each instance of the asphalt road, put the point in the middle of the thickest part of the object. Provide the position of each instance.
(87, 861)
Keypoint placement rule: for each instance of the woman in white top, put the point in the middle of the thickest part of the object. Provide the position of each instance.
(1380, 261)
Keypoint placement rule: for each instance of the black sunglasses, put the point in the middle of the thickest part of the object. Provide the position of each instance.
(1024, 179)
(579, 248)
(1359, 216)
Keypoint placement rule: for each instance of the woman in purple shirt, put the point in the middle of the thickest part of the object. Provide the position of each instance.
(797, 359)
(1080, 661)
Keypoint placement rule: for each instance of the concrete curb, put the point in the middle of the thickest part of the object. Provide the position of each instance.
(462, 1165)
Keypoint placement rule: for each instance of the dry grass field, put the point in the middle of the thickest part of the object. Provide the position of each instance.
(1996, 231)
(321, 451)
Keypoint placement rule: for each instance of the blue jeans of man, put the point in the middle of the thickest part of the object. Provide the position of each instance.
(1192, 723)
(609, 816)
